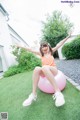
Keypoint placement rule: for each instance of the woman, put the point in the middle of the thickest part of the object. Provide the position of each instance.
(48, 69)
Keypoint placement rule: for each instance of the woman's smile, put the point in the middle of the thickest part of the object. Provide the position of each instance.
(45, 49)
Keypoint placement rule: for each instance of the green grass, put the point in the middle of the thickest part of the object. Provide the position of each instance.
(14, 90)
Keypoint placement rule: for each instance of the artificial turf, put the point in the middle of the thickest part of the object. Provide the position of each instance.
(15, 89)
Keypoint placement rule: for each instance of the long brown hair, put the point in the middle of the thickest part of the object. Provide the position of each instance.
(44, 44)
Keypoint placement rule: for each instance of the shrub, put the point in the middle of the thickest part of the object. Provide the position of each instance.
(72, 50)
(26, 61)
(11, 71)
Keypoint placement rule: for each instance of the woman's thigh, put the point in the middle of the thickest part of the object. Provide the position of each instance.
(54, 70)
(39, 70)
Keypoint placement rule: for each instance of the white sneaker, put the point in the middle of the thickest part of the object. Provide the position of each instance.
(30, 99)
(59, 99)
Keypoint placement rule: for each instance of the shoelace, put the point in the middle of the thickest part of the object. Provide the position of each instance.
(31, 97)
(54, 97)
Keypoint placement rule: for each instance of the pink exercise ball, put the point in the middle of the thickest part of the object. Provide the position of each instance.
(45, 86)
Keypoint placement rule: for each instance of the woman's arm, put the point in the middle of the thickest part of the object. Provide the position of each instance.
(61, 43)
(29, 49)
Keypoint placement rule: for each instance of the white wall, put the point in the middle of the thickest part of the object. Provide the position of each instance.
(1, 67)
(60, 53)
(3, 62)
(5, 40)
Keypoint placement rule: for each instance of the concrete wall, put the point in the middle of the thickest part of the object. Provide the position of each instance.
(5, 40)
(8, 37)
(1, 67)
(3, 61)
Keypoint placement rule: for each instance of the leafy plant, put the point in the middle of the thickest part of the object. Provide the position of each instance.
(56, 27)
(26, 61)
(72, 50)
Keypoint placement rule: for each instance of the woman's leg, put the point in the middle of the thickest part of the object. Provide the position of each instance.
(36, 75)
(50, 72)
(33, 96)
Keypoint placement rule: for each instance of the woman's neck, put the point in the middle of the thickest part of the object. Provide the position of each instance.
(47, 54)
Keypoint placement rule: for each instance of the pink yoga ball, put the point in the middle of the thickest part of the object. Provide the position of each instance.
(45, 86)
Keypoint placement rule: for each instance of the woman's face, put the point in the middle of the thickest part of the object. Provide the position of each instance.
(45, 49)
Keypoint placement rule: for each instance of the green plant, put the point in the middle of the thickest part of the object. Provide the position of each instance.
(26, 62)
(71, 50)
(55, 28)
(11, 71)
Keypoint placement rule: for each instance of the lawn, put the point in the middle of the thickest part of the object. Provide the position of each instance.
(14, 90)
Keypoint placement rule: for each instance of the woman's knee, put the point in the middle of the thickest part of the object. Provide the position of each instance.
(37, 69)
(44, 68)
(54, 70)
(49, 68)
